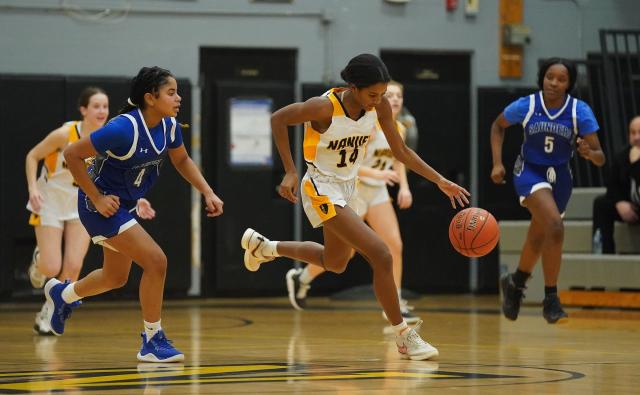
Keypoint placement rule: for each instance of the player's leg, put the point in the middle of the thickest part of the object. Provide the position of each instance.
(45, 262)
(76, 245)
(48, 260)
(383, 220)
(351, 230)
(529, 181)
(552, 253)
(298, 282)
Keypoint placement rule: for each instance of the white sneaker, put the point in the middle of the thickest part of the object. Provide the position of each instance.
(253, 242)
(42, 324)
(297, 289)
(405, 310)
(37, 279)
(411, 346)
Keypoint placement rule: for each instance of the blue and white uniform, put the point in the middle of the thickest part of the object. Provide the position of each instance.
(549, 143)
(129, 161)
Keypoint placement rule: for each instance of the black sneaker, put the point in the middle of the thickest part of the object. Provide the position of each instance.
(511, 297)
(296, 289)
(552, 309)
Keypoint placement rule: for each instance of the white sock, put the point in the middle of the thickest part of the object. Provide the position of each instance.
(399, 293)
(151, 328)
(305, 276)
(69, 294)
(270, 249)
(401, 327)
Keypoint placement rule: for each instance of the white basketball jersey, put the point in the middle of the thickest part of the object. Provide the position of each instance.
(379, 155)
(55, 173)
(339, 151)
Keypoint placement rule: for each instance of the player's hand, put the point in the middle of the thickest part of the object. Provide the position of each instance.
(144, 209)
(36, 200)
(583, 148)
(107, 205)
(288, 188)
(390, 177)
(627, 211)
(405, 199)
(454, 191)
(497, 174)
(213, 204)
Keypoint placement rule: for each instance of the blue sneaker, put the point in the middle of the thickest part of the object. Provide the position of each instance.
(58, 310)
(158, 349)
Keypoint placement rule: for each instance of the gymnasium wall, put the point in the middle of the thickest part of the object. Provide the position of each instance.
(41, 37)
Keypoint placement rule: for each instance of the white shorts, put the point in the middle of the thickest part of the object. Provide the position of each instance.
(370, 196)
(58, 206)
(320, 194)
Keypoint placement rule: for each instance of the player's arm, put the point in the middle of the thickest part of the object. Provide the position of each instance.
(190, 172)
(314, 109)
(74, 155)
(590, 149)
(55, 140)
(407, 156)
(390, 177)
(497, 138)
(405, 199)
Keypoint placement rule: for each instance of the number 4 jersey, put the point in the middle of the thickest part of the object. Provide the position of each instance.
(131, 154)
(549, 134)
(339, 151)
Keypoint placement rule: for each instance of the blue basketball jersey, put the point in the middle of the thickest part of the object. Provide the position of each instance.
(549, 135)
(131, 154)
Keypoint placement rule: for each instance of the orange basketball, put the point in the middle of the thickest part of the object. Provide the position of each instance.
(474, 232)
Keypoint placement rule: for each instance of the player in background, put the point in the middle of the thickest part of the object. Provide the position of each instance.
(555, 123)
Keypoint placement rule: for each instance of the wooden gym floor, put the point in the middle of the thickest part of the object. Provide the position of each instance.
(263, 346)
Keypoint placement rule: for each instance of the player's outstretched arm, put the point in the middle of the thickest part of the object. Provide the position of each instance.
(74, 155)
(190, 172)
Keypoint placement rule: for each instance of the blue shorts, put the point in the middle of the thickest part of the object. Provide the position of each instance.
(529, 177)
(101, 228)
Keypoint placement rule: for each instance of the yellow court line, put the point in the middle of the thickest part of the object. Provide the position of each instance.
(88, 381)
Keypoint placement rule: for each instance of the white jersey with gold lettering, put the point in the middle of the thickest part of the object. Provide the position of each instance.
(339, 151)
(379, 155)
(57, 186)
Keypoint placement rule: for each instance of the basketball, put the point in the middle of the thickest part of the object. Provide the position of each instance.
(474, 232)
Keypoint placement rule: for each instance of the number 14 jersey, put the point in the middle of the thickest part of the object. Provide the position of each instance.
(339, 151)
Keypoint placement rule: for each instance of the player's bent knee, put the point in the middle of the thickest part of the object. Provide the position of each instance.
(117, 280)
(381, 260)
(157, 263)
(338, 268)
(555, 229)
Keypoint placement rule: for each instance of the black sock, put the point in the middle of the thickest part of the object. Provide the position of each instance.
(550, 290)
(520, 277)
